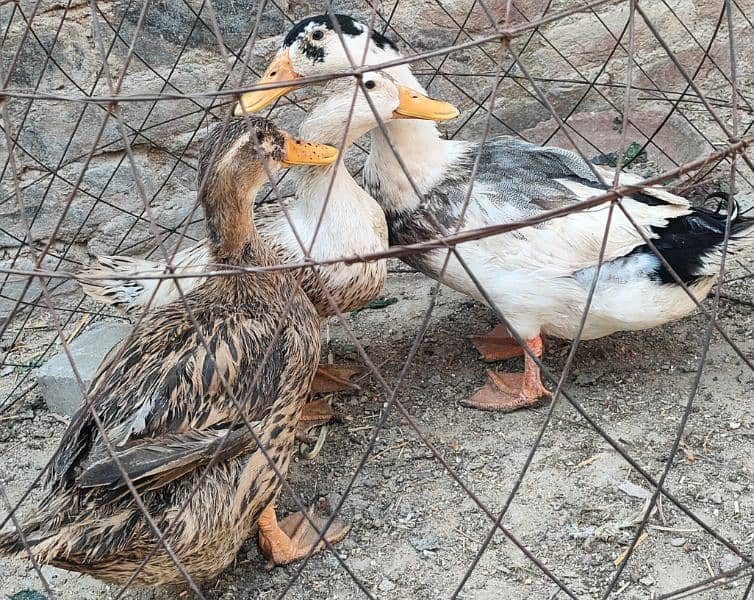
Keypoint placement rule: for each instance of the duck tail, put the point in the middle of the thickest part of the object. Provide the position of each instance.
(693, 243)
(12, 542)
(129, 283)
(740, 239)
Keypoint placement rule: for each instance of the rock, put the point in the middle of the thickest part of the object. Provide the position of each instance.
(166, 22)
(50, 573)
(16, 288)
(386, 585)
(359, 564)
(728, 562)
(588, 377)
(636, 491)
(423, 544)
(333, 499)
(56, 380)
(331, 560)
(677, 542)
(647, 581)
(716, 498)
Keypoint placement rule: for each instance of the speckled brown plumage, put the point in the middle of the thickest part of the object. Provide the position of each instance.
(164, 407)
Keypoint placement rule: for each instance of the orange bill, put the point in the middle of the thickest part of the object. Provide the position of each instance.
(413, 105)
(280, 71)
(300, 152)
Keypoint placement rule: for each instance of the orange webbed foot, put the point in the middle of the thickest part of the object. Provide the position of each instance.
(496, 345)
(295, 537)
(506, 392)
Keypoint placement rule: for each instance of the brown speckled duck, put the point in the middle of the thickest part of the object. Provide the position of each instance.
(169, 416)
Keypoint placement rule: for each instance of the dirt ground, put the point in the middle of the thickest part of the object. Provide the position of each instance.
(415, 531)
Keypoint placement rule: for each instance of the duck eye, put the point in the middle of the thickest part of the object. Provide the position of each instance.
(318, 34)
(370, 85)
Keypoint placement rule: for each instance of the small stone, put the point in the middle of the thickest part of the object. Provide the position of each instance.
(386, 585)
(332, 561)
(733, 425)
(647, 581)
(609, 159)
(359, 564)
(50, 573)
(677, 542)
(716, 498)
(56, 379)
(333, 500)
(424, 544)
(728, 562)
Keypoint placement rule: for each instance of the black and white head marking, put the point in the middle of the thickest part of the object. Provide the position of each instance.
(305, 33)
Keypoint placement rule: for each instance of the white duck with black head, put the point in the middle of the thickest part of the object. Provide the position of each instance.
(538, 277)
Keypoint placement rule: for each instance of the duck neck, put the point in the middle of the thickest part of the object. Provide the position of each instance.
(333, 182)
(426, 156)
(320, 127)
(232, 235)
(335, 217)
(332, 185)
(427, 159)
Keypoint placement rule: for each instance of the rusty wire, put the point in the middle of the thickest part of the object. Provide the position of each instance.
(733, 146)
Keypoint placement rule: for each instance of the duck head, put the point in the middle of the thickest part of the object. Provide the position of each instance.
(346, 103)
(235, 161)
(314, 47)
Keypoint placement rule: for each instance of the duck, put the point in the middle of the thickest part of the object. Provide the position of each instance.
(352, 223)
(537, 277)
(195, 409)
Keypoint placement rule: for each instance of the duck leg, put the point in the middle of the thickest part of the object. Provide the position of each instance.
(507, 392)
(496, 345)
(335, 378)
(294, 537)
(315, 414)
(319, 412)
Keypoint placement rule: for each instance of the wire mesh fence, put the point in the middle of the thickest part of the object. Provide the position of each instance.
(635, 480)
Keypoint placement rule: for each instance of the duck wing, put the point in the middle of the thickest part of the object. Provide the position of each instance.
(147, 389)
(518, 180)
(531, 176)
(154, 463)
